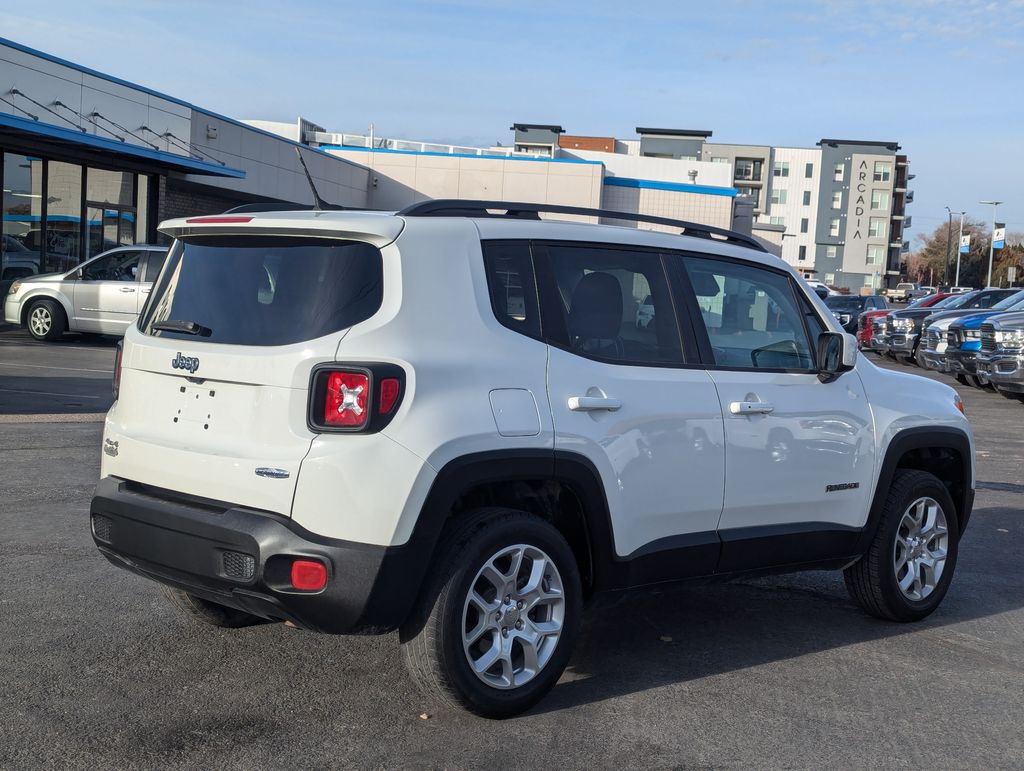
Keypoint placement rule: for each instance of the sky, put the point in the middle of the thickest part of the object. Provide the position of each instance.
(943, 78)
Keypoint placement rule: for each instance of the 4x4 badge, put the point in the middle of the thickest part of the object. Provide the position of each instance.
(187, 363)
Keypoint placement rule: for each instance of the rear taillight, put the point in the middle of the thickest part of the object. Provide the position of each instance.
(361, 397)
(346, 400)
(116, 385)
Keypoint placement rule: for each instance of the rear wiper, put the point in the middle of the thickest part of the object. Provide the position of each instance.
(186, 327)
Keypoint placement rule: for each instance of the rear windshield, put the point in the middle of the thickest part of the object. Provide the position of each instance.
(258, 290)
(845, 303)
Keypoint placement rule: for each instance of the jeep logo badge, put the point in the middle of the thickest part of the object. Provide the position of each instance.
(187, 363)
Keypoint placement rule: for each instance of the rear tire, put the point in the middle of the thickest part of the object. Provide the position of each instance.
(902, 576)
(495, 650)
(207, 612)
(46, 320)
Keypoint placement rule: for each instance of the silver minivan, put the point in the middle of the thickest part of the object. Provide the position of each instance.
(103, 295)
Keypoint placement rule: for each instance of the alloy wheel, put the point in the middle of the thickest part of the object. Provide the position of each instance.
(40, 321)
(919, 553)
(513, 616)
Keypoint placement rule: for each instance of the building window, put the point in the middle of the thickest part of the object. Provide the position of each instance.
(718, 159)
(802, 254)
(869, 280)
(777, 221)
(838, 172)
(807, 197)
(830, 278)
(748, 168)
(750, 193)
(883, 170)
(809, 170)
(781, 169)
(880, 199)
(833, 228)
(22, 242)
(63, 216)
(837, 199)
(876, 253)
(778, 195)
(830, 252)
(876, 227)
(804, 223)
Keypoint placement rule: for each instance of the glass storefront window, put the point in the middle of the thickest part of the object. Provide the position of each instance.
(112, 187)
(21, 245)
(142, 209)
(63, 216)
(110, 196)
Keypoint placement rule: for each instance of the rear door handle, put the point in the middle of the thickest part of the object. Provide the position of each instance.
(751, 408)
(127, 289)
(593, 403)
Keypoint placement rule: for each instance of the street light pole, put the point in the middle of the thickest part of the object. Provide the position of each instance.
(959, 241)
(949, 237)
(991, 241)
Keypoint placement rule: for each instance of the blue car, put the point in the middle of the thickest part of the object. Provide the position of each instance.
(964, 337)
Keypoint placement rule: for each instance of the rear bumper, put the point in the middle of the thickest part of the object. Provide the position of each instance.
(242, 558)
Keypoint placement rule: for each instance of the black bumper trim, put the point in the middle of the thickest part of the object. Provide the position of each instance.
(181, 544)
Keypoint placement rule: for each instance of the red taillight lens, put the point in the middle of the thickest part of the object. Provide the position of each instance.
(308, 575)
(390, 388)
(116, 385)
(345, 405)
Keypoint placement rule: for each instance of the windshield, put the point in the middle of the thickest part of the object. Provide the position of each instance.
(258, 290)
(844, 302)
(923, 301)
(1009, 303)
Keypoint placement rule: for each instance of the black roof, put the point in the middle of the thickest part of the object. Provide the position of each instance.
(888, 145)
(674, 132)
(545, 126)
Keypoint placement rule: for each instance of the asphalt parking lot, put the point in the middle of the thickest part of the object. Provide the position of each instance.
(96, 670)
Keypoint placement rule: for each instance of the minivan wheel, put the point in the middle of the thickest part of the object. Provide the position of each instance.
(909, 565)
(45, 320)
(499, 615)
(209, 612)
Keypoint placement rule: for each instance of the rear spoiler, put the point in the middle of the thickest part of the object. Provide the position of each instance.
(378, 229)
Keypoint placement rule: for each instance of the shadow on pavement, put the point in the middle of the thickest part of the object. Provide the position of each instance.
(21, 395)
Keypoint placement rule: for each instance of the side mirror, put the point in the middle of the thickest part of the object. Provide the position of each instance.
(837, 353)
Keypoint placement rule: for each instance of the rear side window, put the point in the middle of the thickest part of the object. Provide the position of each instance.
(511, 285)
(257, 290)
(154, 261)
(615, 304)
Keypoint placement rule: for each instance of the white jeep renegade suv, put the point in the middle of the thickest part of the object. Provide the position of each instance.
(446, 421)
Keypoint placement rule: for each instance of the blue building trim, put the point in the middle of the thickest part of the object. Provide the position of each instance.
(128, 84)
(678, 187)
(120, 148)
(461, 155)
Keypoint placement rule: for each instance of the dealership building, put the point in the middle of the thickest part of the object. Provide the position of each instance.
(91, 161)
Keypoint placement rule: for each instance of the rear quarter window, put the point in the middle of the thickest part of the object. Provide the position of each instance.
(257, 290)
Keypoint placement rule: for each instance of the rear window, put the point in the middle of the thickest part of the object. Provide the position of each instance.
(257, 290)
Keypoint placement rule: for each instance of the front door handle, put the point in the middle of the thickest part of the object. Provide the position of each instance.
(593, 403)
(127, 289)
(751, 408)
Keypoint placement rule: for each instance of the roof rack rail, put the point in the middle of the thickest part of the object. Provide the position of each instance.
(469, 208)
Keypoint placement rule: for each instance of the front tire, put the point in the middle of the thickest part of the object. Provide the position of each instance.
(499, 615)
(909, 565)
(46, 320)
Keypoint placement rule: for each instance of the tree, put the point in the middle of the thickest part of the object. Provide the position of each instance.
(930, 257)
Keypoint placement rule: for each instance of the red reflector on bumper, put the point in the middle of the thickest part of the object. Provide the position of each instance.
(308, 575)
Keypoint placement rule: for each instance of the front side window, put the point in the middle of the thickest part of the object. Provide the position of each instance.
(264, 290)
(118, 266)
(751, 316)
(615, 304)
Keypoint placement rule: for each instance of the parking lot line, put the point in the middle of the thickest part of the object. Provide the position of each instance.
(48, 393)
(66, 369)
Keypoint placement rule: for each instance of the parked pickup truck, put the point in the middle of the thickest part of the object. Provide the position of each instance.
(904, 293)
(1001, 359)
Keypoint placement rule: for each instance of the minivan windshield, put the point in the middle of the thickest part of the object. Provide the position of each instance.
(260, 290)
